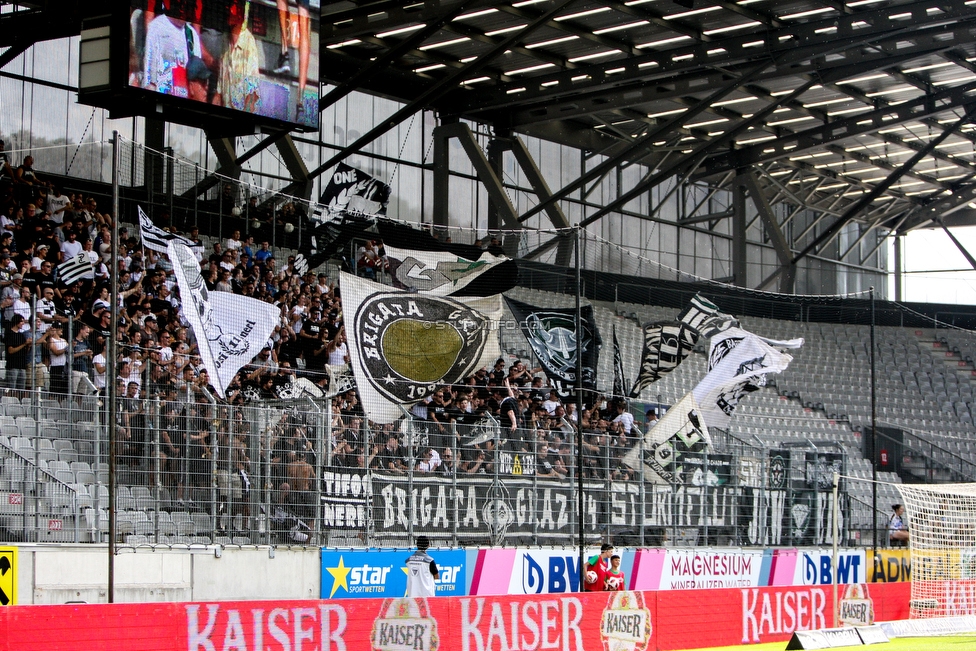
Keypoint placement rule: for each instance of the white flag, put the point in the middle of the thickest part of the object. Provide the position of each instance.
(682, 431)
(402, 345)
(155, 238)
(230, 329)
(738, 363)
(437, 272)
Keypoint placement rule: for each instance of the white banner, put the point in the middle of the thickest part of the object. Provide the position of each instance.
(230, 329)
(682, 430)
(696, 569)
(402, 345)
(739, 364)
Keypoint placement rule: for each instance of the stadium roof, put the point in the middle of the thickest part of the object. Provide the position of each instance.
(854, 110)
(858, 109)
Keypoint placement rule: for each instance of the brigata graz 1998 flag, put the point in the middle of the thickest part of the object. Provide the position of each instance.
(551, 332)
(230, 329)
(404, 344)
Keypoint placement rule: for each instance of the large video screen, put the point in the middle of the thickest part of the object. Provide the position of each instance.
(256, 56)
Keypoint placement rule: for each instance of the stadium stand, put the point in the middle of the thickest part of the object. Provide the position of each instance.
(54, 448)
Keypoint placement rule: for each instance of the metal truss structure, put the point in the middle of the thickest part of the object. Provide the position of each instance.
(850, 111)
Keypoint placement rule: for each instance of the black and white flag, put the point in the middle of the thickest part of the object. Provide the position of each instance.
(739, 368)
(402, 345)
(326, 240)
(551, 333)
(681, 432)
(704, 317)
(442, 273)
(230, 329)
(75, 269)
(619, 383)
(301, 264)
(351, 192)
(666, 345)
(155, 238)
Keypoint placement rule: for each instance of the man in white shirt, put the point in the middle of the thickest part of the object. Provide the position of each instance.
(552, 402)
(22, 305)
(57, 205)
(624, 419)
(58, 370)
(421, 571)
(71, 246)
(98, 375)
(233, 242)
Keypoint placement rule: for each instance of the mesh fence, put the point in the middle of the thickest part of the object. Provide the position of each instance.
(192, 471)
(296, 455)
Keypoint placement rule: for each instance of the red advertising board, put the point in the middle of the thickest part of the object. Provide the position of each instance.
(618, 621)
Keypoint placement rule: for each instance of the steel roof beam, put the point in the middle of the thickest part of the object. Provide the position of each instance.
(432, 93)
(865, 201)
(804, 42)
(645, 144)
(863, 123)
(373, 17)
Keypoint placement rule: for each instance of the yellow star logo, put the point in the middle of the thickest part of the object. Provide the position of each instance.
(340, 576)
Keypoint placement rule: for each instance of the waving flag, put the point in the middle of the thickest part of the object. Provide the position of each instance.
(442, 273)
(703, 316)
(738, 364)
(668, 343)
(155, 238)
(619, 382)
(352, 192)
(230, 329)
(682, 431)
(74, 269)
(551, 333)
(402, 345)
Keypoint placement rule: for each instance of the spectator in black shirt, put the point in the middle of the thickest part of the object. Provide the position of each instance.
(391, 457)
(19, 351)
(43, 279)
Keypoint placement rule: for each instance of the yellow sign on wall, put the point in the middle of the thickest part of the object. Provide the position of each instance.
(8, 576)
(889, 566)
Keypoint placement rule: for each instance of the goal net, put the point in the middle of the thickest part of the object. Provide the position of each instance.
(942, 527)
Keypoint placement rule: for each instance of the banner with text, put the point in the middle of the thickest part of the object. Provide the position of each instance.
(617, 621)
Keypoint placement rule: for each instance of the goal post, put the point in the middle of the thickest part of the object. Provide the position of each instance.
(941, 520)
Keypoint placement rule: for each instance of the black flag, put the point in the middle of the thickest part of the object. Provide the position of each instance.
(551, 332)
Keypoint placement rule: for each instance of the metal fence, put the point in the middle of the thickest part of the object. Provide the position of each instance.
(192, 471)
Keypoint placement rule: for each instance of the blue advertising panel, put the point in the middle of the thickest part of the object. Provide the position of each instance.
(367, 573)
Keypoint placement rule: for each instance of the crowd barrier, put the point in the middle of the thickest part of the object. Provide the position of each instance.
(618, 621)
(377, 573)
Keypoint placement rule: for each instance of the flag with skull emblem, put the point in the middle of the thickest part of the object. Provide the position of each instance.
(551, 333)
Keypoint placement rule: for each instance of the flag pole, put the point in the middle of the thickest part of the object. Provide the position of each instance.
(111, 364)
(874, 437)
(580, 522)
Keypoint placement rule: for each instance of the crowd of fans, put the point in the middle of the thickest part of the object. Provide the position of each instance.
(56, 334)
